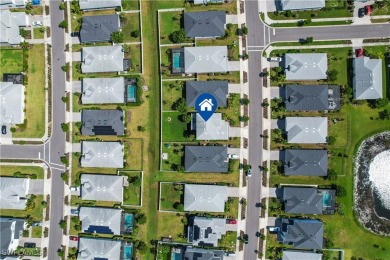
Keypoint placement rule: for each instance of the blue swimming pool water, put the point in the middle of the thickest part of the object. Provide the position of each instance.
(129, 219)
(127, 252)
(176, 60)
(36, 2)
(326, 199)
(131, 93)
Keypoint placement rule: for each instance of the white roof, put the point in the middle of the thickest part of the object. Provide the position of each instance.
(205, 198)
(99, 4)
(92, 248)
(102, 59)
(367, 78)
(213, 129)
(103, 91)
(11, 103)
(205, 59)
(306, 66)
(13, 192)
(301, 255)
(9, 26)
(302, 4)
(100, 217)
(102, 154)
(307, 130)
(101, 187)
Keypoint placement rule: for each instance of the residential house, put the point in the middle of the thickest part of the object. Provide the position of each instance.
(307, 130)
(10, 23)
(205, 24)
(301, 255)
(306, 162)
(312, 98)
(102, 187)
(99, 4)
(100, 220)
(205, 59)
(205, 198)
(218, 88)
(206, 231)
(102, 154)
(302, 4)
(299, 200)
(11, 230)
(99, 28)
(205, 2)
(7, 4)
(99, 248)
(102, 59)
(213, 129)
(203, 254)
(102, 122)
(306, 66)
(301, 233)
(206, 159)
(103, 91)
(12, 103)
(367, 78)
(13, 193)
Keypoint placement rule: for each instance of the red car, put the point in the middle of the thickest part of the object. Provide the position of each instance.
(368, 9)
(359, 53)
(232, 221)
(73, 238)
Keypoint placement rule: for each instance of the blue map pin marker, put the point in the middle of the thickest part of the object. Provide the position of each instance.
(205, 105)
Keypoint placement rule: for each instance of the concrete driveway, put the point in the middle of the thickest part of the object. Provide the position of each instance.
(76, 56)
(233, 192)
(276, 92)
(76, 86)
(76, 147)
(233, 66)
(7, 138)
(36, 187)
(234, 88)
(231, 18)
(76, 117)
(361, 20)
(234, 131)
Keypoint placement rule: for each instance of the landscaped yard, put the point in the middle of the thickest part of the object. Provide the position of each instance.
(232, 111)
(171, 225)
(228, 241)
(166, 64)
(134, 154)
(231, 76)
(36, 232)
(132, 192)
(169, 23)
(10, 170)
(172, 197)
(35, 211)
(130, 5)
(130, 24)
(77, 201)
(173, 129)
(39, 33)
(133, 52)
(11, 61)
(230, 8)
(171, 92)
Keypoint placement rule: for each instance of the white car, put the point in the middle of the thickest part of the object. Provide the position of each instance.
(275, 59)
(37, 23)
(74, 188)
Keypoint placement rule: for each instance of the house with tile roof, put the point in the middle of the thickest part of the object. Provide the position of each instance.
(306, 162)
(102, 59)
(367, 78)
(204, 231)
(218, 88)
(103, 91)
(306, 66)
(102, 122)
(205, 198)
(102, 187)
(205, 24)
(306, 130)
(99, 28)
(102, 154)
(206, 159)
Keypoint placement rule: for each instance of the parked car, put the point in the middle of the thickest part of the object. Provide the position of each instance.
(361, 12)
(245, 238)
(275, 59)
(74, 238)
(359, 53)
(37, 23)
(232, 221)
(233, 156)
(30, 245)
(36, 224)
(249, 171)
(74, 188)
(74, 211)
(368, 9)
(4, 129)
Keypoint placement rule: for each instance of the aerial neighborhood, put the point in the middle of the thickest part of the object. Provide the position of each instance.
(200, 129)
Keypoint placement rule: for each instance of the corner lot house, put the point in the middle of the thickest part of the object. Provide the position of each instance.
(102, 122)
(213, 129)
(103, 91)
(367, 78)
(205, 59)
(205, 198)
(304, 255)
(301, 233)
(100, 220)
(11, 103)
(205, 24)
(6, 4)
(102, 59)
(13, 193)
(10, 23)
(308, 200)
(102, 154)
(306, 162)
(99, 28)
(101, 187)
(11, 230)
(99, 4)
(206, 159)
(312, 98)
(306, 66)
(92, 248)
(206, 231)
(307, 130)
(218, 88)
(302, 4)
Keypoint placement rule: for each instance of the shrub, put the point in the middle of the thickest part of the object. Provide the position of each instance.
(63, 24)
(331, 140)
(244, 30)
(135, 33)
(341, 191)
(117, 37)
(140, 128)
(379, 103)
(384, 114)
(178, 36)
(332, 175)
(332, 75)
(65, 127)
(62, 6)
(23, 32)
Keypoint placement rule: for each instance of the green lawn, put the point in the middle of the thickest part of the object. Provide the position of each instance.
(36, 232)
(313, 43)
(232, 111)
(166, 64)
(129, 25)
(34, 126)
(172, 195)
(132, 193)
(171, 92)
(130, 5)
(327, 23)
(39, 33)
(232, 76)
(171, 225)
(77, 201)
(169, 23)
(228, 241)
(385, 10)
(11, 61)
(134, 154)
(230, 8)
(172, 128)
(133, 52)
(9, 170)
(35, 212)
(175, 153)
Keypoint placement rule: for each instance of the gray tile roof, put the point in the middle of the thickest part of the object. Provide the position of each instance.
(95, 219)
(213, 129)
(306, 66)
(302, 4)
(12, 103)
(92, 248)
(10, 23)
(301, 255)
(306, 162)
(218, 88)
(13, 192)
(103, 91)
(203, 254)
(205, 59)
(10, 231)
(307, 130)
(302, 200)
(99, 4)
(102, 122)
(367, 78)
(205, 198)
(205, 24)
(101, 187)
(206, 231)
(102, 59)
(99, 28)
(206, 159)
(6, 4)
(102, 154)
(301, 97)
(302, 233)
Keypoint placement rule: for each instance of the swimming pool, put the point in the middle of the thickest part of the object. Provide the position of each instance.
(176, 60)
(131, 93)
(129, 219)
(127, 252)
(326, 199)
